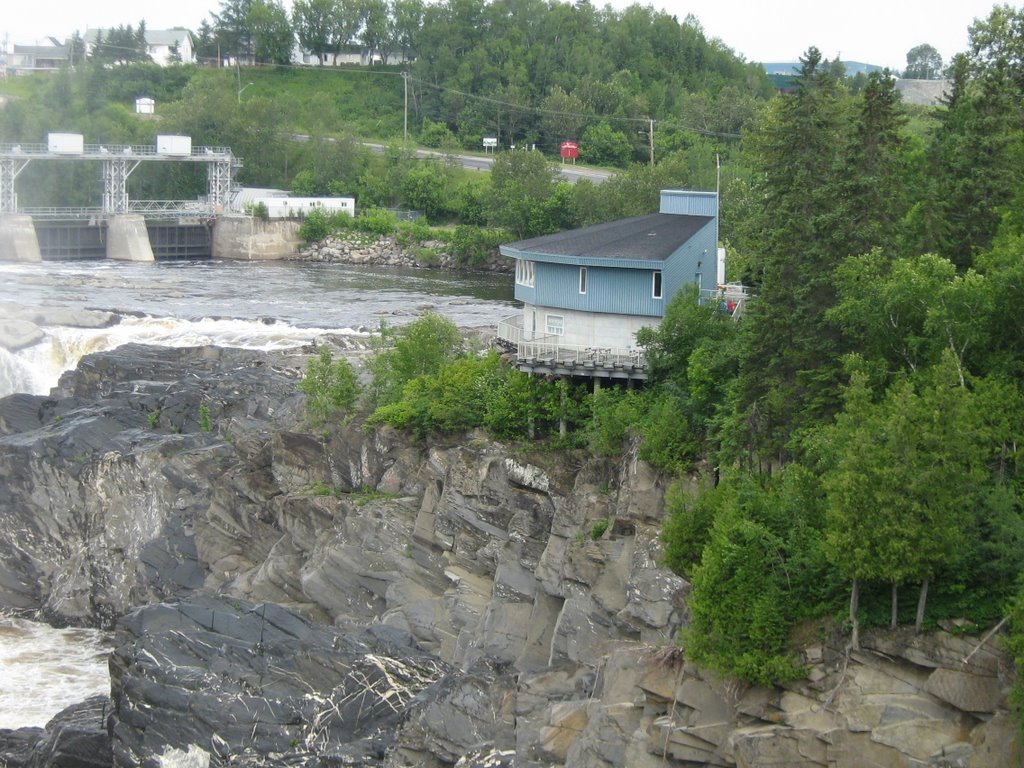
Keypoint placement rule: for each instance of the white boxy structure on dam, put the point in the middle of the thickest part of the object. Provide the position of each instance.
(174, 146)
(299, 207)
(65, 143)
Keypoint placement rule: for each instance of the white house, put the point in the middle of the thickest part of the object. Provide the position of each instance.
(160, 44)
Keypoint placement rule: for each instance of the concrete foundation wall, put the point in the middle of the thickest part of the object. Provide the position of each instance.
(247, 238)
(18, 240)
(586, 329)
(128, 239)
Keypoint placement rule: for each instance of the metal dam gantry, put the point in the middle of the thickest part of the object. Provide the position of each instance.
(118, 163)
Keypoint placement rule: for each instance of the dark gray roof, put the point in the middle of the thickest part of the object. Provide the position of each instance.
(43, 51)
(654, 237)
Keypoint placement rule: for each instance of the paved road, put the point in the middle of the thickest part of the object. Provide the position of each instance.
(482, 163)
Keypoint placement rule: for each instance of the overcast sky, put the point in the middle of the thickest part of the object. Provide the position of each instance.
(872, 31)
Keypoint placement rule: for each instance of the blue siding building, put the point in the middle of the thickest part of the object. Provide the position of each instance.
(586, 292)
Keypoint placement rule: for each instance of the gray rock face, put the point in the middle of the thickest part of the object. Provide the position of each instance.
(238, 681)
(558, 645)
(75, 738)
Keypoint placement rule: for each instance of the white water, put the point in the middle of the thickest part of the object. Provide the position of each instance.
(37, 368)
(43, 670)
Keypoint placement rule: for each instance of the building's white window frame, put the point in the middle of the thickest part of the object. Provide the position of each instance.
(583, 279)
(657, 284)
(554, 325)
(525, 273)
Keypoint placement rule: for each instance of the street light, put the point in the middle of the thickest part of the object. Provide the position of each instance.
(242, 89)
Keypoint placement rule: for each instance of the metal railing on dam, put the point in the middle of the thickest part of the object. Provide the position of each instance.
(106, 151)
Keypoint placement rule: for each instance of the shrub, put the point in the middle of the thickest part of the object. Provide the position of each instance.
(597, 530)
(257, 210)
(472, 245)
(205, 423)
(376, 221)
(331, 386)
(741, 611)
(687, 526)
(436, 134)
(452, 400)
(615, 413)
(316, 226)
(407, 352)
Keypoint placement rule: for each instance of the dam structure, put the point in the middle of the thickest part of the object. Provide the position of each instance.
(120, 228)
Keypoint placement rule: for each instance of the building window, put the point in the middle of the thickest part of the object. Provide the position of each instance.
(656, 290)
(556, 325)
(583, 279)
(525, 273)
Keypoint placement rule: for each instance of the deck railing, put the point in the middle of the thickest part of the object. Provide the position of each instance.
(550, 348)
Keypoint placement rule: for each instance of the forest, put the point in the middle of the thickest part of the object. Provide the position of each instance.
(854, 437)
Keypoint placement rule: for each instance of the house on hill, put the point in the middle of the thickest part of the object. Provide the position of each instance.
(586, 292)
(25, 59)
(161, 44)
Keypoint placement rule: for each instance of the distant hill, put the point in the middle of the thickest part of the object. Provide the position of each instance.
(790, 68)
(927, 92)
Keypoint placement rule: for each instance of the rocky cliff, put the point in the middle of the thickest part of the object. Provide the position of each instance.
(348, 597)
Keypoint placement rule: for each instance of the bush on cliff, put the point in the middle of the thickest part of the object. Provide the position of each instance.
(404, 353)
(330, 385)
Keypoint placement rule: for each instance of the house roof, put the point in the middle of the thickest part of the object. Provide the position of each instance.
(47, 51)
(166, 36)
(654, 237)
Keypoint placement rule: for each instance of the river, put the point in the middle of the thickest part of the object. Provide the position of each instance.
(261, 305)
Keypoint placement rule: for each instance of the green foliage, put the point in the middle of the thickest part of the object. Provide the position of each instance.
(522, 183)
(1013, 643)
(597, 530)
(205, 424)
(761, 570)
(331, 387)
(616, 413)
(376, 221)
(740, 607)
(687, 527)
(521, 406)
(407, 352)
(601, 145)
(153, 418)
(472, 245)
(451, 400)
(258, 210)
(436, 134)
(316, 226)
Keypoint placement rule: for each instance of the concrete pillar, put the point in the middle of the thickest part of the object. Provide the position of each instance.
(250, 239)
(18, 241)
(128, 239)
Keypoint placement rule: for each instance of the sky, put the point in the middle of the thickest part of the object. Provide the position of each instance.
(870, 31)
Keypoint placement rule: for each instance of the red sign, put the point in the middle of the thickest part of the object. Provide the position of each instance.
(570, 150)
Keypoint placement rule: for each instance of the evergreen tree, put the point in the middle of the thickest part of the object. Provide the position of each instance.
(875, 200)
(790, 367)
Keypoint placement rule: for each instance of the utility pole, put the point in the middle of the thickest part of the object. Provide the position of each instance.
(651, 134)
(405, 114)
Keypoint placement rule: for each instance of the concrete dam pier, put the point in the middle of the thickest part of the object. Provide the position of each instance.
(132, 238)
